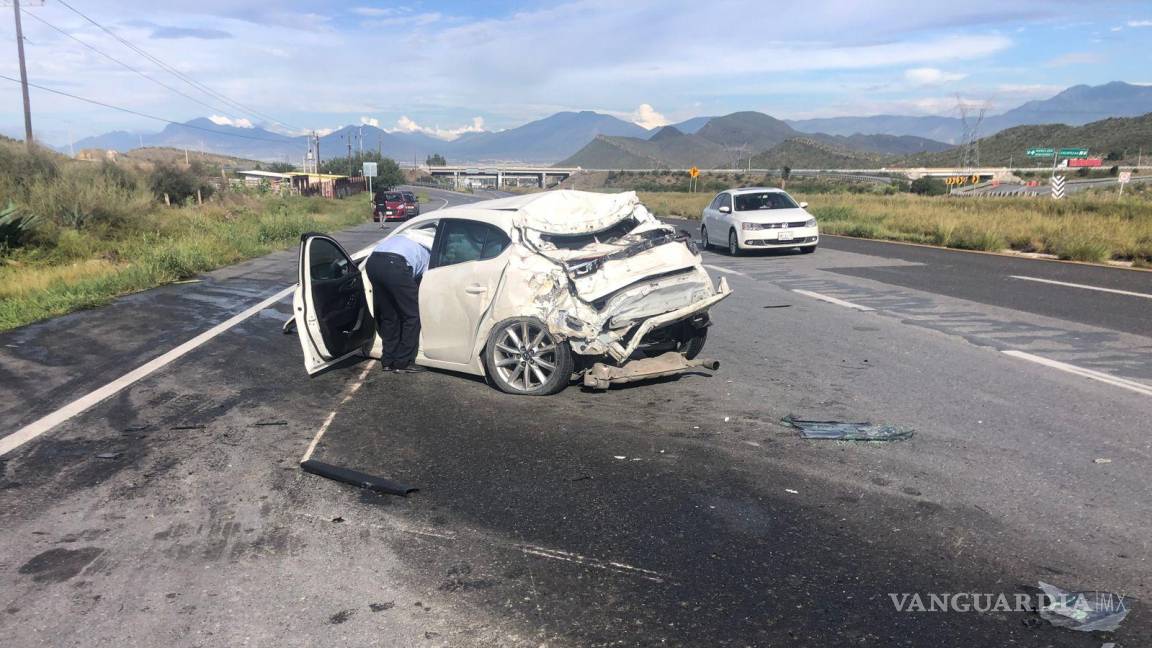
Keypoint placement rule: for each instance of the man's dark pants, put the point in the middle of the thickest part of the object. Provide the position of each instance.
(395, 296)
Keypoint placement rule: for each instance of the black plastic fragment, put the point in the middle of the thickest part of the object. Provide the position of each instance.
(266, 423)
(108, 455)
(356, 478)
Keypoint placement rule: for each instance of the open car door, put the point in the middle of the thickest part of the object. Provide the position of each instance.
(330, 305)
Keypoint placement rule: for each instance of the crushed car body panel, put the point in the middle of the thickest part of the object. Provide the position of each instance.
(598, 269)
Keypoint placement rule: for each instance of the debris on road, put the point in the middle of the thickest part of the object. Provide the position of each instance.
(380, 607)
(1088, 611)
(356, 478)
(267, 423)
(778, 306)
(789, 490)
(108, 455)
(187, 427)
(1101, 460)
(847, 431)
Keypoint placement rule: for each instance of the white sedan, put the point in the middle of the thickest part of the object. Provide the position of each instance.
(528, 291)
(758, 219)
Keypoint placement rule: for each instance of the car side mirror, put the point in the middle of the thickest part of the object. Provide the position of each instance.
(803, 205)
(725, 209)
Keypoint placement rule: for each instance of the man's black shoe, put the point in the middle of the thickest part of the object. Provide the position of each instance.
(410, 369)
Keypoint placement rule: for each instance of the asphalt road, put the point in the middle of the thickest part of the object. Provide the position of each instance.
(675, 512)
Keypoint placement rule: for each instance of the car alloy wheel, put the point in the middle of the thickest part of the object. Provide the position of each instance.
(704, 242)
(524, 358)
(733, 244)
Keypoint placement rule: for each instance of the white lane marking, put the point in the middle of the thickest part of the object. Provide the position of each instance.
(567, 556)
(832, 300)
(42, 425)
(82, 404)
(1085, 287)
(724, 270)
(332, 415)
(1123, 383)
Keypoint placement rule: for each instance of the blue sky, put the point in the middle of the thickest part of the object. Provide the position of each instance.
(448, 67)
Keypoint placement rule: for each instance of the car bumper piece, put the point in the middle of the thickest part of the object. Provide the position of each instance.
(601, 376)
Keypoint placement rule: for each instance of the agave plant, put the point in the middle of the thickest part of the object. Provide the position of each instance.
(14, 226)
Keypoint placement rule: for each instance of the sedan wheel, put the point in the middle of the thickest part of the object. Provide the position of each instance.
(733, 244)
(522, 357)
(704, 242)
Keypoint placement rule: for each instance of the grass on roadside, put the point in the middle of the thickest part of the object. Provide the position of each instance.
(160, 245)
(1083, 228)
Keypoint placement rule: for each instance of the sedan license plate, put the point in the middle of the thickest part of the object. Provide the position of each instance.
(784, 235)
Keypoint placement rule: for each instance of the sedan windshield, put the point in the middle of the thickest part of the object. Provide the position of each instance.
(766, 200)
(392, 197)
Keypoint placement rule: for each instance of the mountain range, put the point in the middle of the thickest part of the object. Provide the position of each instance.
(1074, 106)
(596, 140)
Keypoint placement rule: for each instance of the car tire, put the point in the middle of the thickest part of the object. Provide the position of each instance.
(694, 344)
(705, 244)
(733, 244)
(522, 357)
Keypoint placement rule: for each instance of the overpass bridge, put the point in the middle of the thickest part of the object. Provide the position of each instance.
(502, 176)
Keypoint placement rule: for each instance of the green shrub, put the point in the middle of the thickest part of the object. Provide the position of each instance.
(928, 186)
(177, 184)
(15, 228)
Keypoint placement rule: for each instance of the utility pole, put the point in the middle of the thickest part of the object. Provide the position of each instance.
(23, 77)
(349, 155)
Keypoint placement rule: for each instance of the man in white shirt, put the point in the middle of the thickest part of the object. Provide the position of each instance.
(395, 267)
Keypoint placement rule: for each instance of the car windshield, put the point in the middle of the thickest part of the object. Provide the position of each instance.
(765, 200)
(391, 197)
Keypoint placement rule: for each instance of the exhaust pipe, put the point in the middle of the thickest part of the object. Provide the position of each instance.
(705, 363)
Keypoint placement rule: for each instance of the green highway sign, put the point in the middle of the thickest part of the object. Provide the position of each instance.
(1041, 152)
(1074, 152)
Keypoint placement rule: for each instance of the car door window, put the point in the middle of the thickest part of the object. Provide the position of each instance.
(717, 201)
(460, 241)
(326, 261)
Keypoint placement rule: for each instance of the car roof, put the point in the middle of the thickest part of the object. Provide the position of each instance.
(744, 190)
(557, 212)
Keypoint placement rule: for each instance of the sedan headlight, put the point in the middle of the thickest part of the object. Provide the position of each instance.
(811, 222)
(749, 226)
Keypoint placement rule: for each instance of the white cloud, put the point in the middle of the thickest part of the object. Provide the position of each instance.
(1077, 58)
(376, 11)
(221, 120)
(370, 121)
(1140, 23)
(647, 117)
(926, 76)
(406, 125)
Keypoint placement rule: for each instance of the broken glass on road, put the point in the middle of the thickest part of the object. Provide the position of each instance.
(847, 431)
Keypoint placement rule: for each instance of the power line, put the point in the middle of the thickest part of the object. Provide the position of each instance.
(122, 63)
(145, 115)
(177, 73)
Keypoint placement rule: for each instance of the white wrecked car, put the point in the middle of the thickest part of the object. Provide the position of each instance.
(528, 291)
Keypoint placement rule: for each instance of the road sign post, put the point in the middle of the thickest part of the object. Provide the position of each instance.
(1124, 178)
(369, 172)
(694, 173)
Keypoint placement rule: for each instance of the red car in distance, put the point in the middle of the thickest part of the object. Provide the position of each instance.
(390, 205)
